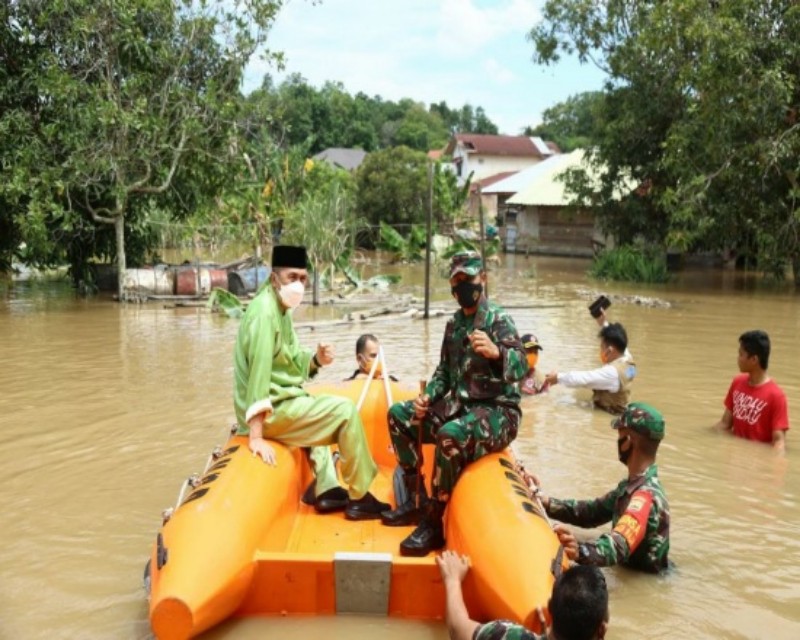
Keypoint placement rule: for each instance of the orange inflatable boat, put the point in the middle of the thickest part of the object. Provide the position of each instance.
(242, 543)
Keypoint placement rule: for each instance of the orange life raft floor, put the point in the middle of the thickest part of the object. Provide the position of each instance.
(242, 543)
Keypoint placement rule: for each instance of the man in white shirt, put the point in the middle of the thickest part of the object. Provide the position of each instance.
(611, 382)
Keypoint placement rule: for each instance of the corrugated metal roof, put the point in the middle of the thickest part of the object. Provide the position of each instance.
(522, 179)
(541, 146)
(488, 181)
(544, 188)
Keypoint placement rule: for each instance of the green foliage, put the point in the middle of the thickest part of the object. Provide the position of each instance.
(420, 129)
(382, 281)
(393, 187)
(701, 110)
(325, 222)
(295, 112)
(404, 249)
(225, 301)
(571, 124)
(631, 264)
(108, 109)
(491, 247)
(449, 199)
(465, 119)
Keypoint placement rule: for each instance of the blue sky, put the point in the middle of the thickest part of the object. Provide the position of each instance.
(460, 51)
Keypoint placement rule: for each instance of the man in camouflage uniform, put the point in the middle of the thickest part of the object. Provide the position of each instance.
(470, 406)
(637, 507)
(578, 607)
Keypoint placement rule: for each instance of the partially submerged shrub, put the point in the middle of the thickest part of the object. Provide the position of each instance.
(632, 264)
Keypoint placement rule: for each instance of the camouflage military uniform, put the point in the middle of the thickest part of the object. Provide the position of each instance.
(624, 506)
(474, 407)
(637, 508)
(505, 630)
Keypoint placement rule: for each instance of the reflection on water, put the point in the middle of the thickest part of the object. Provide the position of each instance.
(105, 409)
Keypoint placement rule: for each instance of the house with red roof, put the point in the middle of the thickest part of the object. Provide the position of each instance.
(483, 155)
(486, 159)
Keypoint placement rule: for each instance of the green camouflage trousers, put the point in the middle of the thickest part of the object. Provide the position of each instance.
(460, 439)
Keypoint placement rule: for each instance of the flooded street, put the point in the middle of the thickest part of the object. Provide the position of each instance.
(105, 409)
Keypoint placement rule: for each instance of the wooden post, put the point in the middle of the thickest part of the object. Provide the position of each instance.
(428, 239)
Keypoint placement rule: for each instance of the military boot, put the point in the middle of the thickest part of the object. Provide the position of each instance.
(429, 535)
(410, 512)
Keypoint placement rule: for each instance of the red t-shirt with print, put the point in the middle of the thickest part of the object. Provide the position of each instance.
(757, 411)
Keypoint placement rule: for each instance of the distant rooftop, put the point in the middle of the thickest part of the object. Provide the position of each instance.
(488, 181)
(349, 159)
(519, 146)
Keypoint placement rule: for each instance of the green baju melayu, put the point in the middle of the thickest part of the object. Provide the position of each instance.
(270, 368)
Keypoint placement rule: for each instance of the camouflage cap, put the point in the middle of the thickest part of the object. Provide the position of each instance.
(468, 262)
(643, 419)
(530, 342)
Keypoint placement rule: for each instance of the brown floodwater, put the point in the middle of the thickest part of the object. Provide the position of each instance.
(106, 408)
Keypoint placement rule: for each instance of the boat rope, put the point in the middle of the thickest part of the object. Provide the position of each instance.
(216, 454)
(193, 481)
(533, 492)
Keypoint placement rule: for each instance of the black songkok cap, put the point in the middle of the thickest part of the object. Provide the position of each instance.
(284, 255)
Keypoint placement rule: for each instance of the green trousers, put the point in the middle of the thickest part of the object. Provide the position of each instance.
(318, 421)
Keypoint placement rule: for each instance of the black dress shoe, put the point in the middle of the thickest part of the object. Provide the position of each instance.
(332, 500)
(366, 508)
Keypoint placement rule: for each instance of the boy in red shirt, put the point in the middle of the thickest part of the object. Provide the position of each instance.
(755, 407)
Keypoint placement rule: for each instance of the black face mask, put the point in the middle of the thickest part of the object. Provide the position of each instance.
(467, 294)
(624, 455)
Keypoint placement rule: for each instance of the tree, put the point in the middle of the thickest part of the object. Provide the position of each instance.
(464, 120)
(420, 129)
(571, 124)
(326, 224)
(128, 105)
(449, 199)
(393, 187)
(701, 111)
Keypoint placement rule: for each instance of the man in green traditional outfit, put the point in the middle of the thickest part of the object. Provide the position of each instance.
(270, 368)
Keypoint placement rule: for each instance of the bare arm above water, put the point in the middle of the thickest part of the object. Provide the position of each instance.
(725, 422)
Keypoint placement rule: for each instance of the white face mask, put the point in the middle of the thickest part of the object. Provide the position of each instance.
(291, 294)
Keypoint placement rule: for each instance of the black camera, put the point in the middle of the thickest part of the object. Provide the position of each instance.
(598, 306)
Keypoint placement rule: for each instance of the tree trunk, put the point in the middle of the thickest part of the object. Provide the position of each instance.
(796, 270)
(119, 228)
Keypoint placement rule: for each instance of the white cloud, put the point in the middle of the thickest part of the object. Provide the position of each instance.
(467, 27)
(498, 73)
(459, 51)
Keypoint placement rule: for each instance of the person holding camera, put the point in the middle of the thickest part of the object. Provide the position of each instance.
(610, 383)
